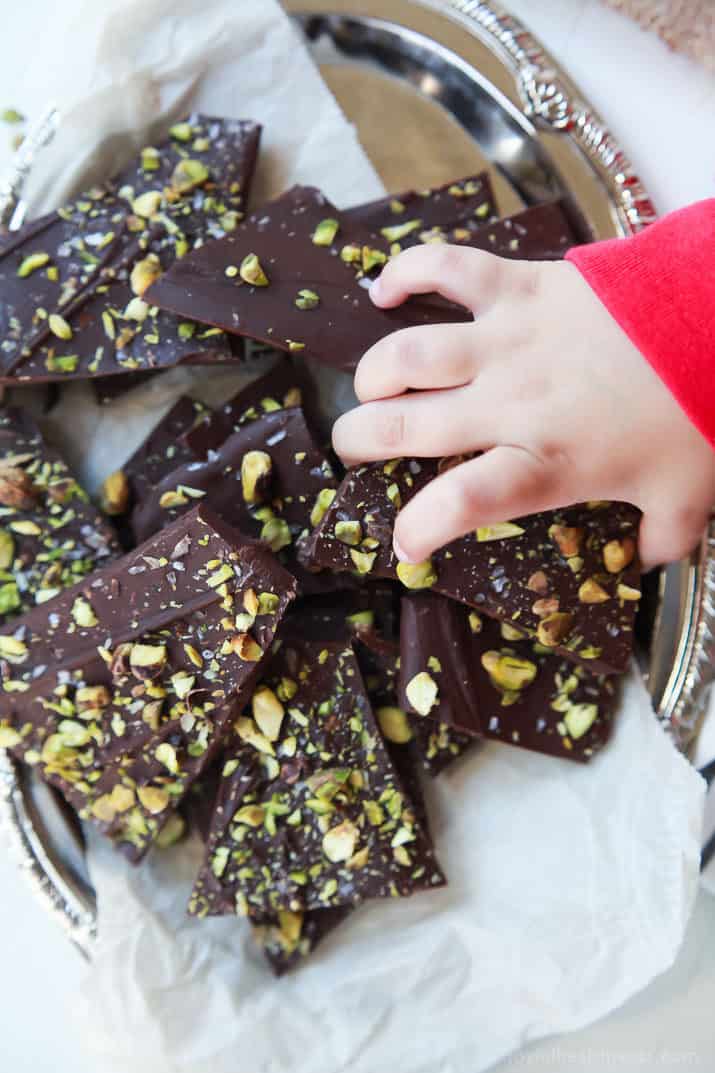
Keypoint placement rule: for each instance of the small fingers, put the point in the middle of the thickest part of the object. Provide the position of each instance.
(427, 424)
(434, 356)
(504, 483)
(472, 278)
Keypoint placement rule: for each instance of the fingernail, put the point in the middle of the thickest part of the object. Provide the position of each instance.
(375, 288)
(399, 551)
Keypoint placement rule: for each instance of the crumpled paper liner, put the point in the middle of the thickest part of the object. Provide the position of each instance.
(570, 887)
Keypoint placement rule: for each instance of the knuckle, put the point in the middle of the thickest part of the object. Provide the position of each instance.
(389, 428)
(404, 350)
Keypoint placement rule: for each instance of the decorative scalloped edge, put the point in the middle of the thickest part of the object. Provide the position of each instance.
(11, 183)
(546, 98)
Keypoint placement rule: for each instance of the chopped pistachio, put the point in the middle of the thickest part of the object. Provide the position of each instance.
(339, 842)
(147, 204)
(579, 718)
(251, 271)
(114, 496)
(83, 613)
(183, 132)
(13, 650)
(400, 231)
(59, 326)
(507, 672)
(256, 469)
(363, 560)
(166, 755)
(268, 712)
(325, 232)
(32, 263)
(188, 174)
(276, 534)
(307, 300)
(322, 501)
(422, 692)
(417, 575)
(498, 531)
(144, 273)
(394, 724)
(7, 549)
(348, 532)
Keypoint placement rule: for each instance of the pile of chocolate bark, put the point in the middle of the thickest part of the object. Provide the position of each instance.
(226, 642)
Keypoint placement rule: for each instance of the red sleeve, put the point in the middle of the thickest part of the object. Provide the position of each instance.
(660, 287)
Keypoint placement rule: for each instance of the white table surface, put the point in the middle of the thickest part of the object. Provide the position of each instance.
(662, 108)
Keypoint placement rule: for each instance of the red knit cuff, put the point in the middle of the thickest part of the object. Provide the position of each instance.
(660, 288)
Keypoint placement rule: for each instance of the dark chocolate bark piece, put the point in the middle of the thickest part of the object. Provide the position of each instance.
(480, 675)
(539, 233)
(569, 577)
(296, 277)
(413, 741)
(269, 478)
(280, 388)
(74, 283)
(312, 814)
(414, 216)
(287, 938)
(120, 690)
(162, 451)
(50, 534)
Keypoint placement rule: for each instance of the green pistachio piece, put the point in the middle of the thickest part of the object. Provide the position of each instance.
(32, 263)
(339, 842)
(59, 326)
(7, 550)
(256, 469)
(325, 232)
(150, 159)
(320, 508)
(307, 300)
(400, 231)
(417, 575)
(10, 597)
(372, 258)
(251, 271)
(348, 532)
(363, 560)
(147, 204)
(13, 650)
(508, 672)
(394, 724)
(65, 363)
(580, 718)
(183, 132)
(11, 116)
(422, 692)
(9, 737)
(83, 613)
(276, 534)
(351, 255)
(499, 531)
(188, 174)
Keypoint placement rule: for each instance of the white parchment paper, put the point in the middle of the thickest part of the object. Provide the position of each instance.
(570, 887)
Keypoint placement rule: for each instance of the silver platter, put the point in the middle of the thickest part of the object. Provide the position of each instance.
(441, 88)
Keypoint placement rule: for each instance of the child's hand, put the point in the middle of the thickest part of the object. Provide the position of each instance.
(546, 383)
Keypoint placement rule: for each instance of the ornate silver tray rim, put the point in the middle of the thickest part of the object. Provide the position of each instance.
(550, 101)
